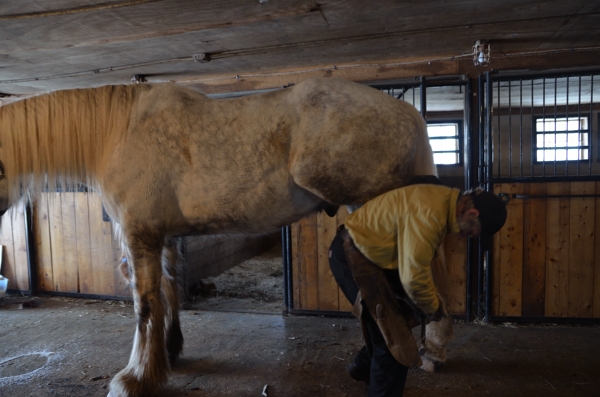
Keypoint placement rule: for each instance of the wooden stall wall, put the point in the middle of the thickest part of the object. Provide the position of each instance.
(75, 248)
(315, 289)
(455, 249)
(13, 239)
(547, 257)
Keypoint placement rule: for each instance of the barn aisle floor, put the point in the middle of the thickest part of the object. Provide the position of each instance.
(69, 347)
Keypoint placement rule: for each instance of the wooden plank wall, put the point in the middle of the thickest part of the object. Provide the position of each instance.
(76, 252)
(13, 239)
(455, 249)
(546, 256)
(314, 287)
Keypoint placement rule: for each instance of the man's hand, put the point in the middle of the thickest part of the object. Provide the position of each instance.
(439, 314)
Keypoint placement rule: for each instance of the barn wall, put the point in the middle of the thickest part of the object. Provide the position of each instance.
(75, 248)
(547, 256)
(546, 259)
(13, 239)
(315, 289)
(77, 253)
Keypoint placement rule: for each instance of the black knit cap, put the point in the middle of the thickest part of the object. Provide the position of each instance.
(492, 212)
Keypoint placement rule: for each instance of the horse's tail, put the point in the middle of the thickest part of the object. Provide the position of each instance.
(423, 160)
(62, 136)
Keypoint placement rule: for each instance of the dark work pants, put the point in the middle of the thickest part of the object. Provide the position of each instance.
(387, 376)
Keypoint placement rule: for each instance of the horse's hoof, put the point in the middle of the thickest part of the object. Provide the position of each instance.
(430, 365)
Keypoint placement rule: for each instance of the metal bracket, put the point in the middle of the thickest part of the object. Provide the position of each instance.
(138, 78)
(202, 57)
(505, 197)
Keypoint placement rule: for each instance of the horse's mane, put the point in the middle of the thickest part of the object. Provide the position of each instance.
(62, 138)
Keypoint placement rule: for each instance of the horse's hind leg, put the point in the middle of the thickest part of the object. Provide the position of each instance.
(174, 337)
(148, 365)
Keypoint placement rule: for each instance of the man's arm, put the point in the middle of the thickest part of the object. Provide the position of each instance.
(418, 239)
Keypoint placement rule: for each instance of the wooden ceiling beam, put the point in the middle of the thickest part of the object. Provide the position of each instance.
(393, 70)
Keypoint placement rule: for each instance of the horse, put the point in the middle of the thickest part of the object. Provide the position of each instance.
(168, 162)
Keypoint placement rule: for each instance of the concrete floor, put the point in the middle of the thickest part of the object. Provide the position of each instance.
(68, 347)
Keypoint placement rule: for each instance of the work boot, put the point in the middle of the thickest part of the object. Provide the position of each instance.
(360, 368)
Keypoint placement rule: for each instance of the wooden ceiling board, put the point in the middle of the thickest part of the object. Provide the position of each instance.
(129, 24)
(159, 38)
(424, 15)
(32, 6)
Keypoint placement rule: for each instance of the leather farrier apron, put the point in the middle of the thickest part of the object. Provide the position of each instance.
(395, 314)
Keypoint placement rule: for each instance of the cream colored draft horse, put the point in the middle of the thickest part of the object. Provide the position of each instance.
(170, 162)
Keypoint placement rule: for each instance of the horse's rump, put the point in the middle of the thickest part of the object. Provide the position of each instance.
(355, 142)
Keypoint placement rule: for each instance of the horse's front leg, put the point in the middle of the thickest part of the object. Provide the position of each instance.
(148, 366)
(170, 290)
(174, 337)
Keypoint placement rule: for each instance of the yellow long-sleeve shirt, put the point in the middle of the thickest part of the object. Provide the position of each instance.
(402, 229)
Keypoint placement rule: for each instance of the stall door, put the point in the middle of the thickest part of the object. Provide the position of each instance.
(546, 260)
(542, 152)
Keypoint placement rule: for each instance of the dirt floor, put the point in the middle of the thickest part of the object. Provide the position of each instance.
(236, 347)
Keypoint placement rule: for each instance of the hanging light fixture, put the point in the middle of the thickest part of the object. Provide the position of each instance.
(481, 53)
(138, 78)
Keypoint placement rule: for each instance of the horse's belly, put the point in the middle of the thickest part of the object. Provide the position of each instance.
(259, 208)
